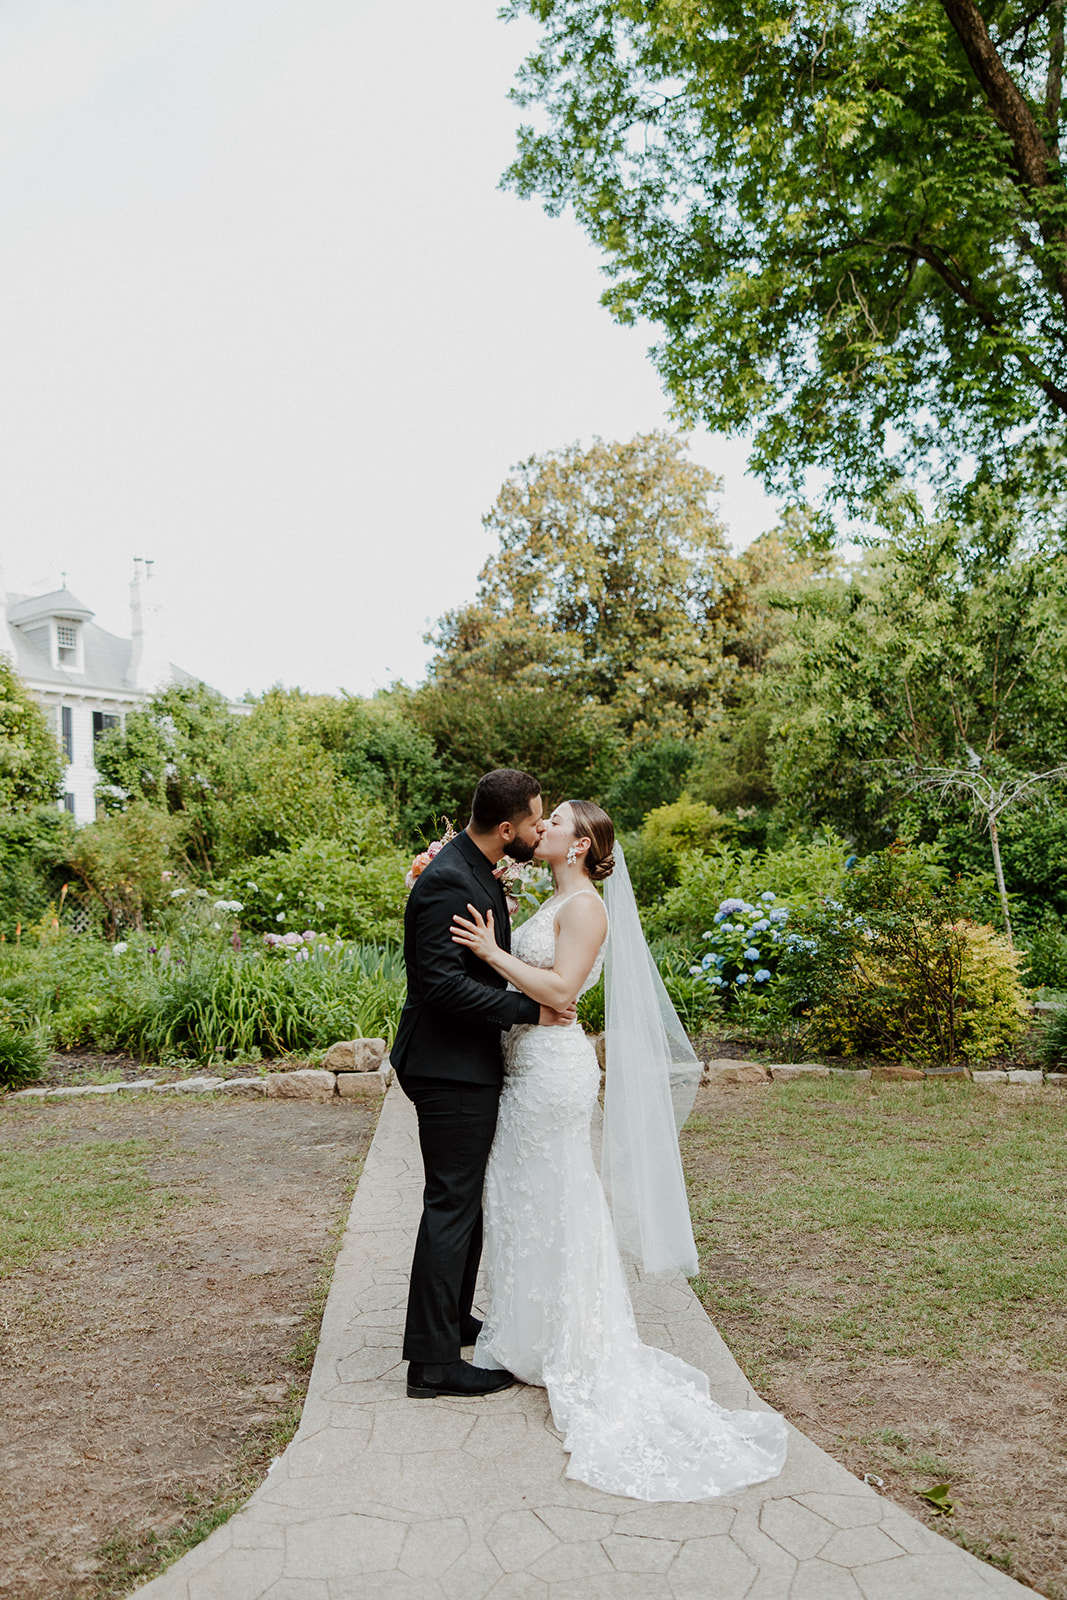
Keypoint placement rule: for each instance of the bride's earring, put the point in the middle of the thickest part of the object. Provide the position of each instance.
(572, 855)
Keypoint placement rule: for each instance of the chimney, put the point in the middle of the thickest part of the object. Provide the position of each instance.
(136, 624)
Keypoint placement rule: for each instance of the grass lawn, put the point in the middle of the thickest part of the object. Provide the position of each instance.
(54, 1196)
(889, 1264)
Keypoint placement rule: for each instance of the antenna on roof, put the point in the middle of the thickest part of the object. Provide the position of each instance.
(63, 580)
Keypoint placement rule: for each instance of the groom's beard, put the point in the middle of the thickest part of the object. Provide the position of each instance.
(518, 851)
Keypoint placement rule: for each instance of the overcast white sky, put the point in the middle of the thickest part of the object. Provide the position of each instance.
(266, 318)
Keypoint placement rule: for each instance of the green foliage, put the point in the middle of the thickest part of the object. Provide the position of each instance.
(33, 853)
(481, 723)
(22, 1055)
(851, 237)
(612, 581)
(177, 754)
(655, 776)
(186, 990)
(215, 1004)
(324, 884)
(292, 768)
(1054, 1041)
(122, 864)
(30, 769)
(390, 760)
(1043, 945)
(653, 868)
(799, 873)
(945, 640)
(732, 765)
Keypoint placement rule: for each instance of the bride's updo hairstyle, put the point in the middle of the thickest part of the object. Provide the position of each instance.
(592, 823)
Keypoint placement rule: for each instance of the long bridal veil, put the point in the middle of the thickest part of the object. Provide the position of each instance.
(652, 1079)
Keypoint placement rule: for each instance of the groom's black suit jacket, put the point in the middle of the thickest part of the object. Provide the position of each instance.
(456, 1006)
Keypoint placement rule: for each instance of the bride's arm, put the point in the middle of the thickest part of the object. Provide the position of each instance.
(582, 924)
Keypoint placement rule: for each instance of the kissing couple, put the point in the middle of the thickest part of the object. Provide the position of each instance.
(504, 1082)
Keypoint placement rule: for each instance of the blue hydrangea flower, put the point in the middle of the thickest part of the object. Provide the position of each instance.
(751, 954)
(760, 927)
(706, 962)
(767, 896)
(706, 934)
(695, 972)
(781, 914)
(742, 977)
(762, 975)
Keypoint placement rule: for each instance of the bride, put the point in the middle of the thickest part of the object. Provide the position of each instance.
(636, 1421)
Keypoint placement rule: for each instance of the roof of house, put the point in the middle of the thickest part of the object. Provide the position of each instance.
(106, 657)
(34, 608)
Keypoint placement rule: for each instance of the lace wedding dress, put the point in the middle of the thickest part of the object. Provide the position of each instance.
(636, 1421)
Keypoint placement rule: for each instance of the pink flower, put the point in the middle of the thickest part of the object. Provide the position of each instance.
(435, 848)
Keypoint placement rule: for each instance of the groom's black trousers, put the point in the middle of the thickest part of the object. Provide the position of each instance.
(456, 1126)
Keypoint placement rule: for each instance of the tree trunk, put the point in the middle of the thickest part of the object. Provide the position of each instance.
(994, 840)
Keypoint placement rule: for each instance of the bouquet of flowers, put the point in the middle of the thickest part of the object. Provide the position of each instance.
(424, 857)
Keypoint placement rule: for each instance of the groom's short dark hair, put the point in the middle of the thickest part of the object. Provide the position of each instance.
(502, 796)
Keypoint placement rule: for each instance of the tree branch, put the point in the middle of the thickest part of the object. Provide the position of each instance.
(1034, 161)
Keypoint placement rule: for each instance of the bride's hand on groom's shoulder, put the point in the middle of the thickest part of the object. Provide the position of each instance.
(476, 933)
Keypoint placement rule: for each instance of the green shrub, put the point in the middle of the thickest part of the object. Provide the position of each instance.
(954, 991)
(123, 864)
(22, 1055)
(895, 968)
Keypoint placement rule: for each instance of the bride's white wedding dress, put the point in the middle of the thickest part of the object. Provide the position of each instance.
(636, 1421)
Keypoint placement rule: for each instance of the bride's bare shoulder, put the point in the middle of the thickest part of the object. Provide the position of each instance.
(583, 912)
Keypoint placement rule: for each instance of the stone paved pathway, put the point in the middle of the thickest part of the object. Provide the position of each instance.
(383, 1498)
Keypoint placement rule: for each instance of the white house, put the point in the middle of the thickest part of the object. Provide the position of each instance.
(85, 678)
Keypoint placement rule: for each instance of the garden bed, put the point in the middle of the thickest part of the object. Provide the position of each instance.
(889, 1267)
(156, 1350)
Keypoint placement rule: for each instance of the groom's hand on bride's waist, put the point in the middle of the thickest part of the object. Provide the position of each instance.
(557, 1019)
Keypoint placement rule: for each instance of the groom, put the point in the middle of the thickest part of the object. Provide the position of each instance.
(447, 1058)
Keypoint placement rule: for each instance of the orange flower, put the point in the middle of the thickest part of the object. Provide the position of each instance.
(423, 859)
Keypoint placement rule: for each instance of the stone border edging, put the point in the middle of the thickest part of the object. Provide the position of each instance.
(725, 1072)
(305, 1083)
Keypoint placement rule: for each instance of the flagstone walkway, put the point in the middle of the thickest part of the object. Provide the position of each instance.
(383, 1498)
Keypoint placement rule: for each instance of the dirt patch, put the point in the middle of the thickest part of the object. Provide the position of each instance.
(995, 1428)
(146, 1379)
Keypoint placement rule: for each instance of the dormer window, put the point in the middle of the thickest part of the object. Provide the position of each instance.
(67, 643)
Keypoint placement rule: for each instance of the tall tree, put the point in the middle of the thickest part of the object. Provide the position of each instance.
(848, 222)
(935, 647)
(29, 751)
(612, 581)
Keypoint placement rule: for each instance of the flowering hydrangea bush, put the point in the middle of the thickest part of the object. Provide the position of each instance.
(744, 945)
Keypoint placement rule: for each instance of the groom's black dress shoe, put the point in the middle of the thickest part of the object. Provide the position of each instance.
(427, 1380)
(469, 1329)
